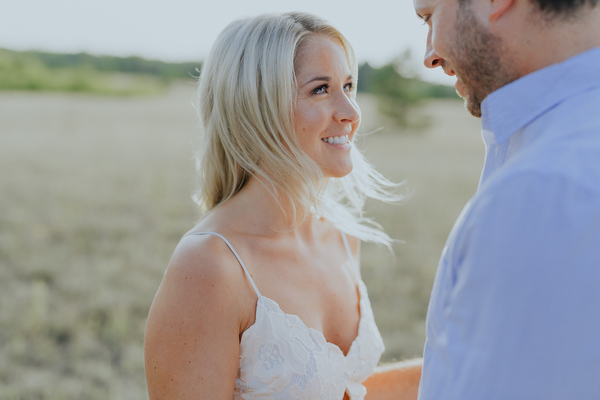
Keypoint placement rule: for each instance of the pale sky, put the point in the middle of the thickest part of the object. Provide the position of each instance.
(184, 30)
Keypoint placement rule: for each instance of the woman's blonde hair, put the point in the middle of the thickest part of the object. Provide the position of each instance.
(246, 96)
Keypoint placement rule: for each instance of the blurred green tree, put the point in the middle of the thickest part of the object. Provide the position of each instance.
(31, 70)
(399, 89)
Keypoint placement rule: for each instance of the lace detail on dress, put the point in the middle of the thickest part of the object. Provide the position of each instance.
(281, 358)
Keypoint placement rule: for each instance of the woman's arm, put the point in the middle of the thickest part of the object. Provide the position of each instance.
(194, 325)
(397, 381)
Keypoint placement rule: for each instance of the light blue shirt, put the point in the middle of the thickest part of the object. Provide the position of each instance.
(515, 307)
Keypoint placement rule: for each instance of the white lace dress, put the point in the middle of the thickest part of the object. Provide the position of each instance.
(282, 359)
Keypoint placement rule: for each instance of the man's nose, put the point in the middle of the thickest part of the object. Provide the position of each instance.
(431, 60)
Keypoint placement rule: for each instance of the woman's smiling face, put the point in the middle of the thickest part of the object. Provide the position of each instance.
(326, 115)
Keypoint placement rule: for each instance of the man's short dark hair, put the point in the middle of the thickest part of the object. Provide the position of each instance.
(566, 8)
(554, 8)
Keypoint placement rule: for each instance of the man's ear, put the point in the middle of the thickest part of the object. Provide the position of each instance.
(498, 8)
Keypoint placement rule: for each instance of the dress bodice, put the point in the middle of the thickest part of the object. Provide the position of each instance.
(282, 358)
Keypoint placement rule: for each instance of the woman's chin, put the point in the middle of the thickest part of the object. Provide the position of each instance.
(339, 172)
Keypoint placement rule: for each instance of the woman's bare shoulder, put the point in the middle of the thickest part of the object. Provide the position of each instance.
(194, 324)
(197, 287)
(201, 253)
(203, 266)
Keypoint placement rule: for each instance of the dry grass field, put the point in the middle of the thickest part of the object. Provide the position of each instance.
(95, 193)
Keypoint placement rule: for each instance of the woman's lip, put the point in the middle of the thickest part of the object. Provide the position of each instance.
(343, 146)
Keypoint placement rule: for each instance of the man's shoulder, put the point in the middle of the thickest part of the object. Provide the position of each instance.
(566, 182)
(565, 149)
(577, 112)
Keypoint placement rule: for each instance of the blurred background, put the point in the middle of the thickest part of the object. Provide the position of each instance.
(97, 133)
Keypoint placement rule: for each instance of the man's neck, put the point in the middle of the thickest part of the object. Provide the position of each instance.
(556, 40)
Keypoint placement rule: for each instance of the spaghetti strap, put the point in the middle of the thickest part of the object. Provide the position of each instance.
(346, 245)
(234, 253)
(350, 256)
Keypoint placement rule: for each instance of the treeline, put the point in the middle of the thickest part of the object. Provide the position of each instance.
(388, 80)
(130, 65)
(42, 71)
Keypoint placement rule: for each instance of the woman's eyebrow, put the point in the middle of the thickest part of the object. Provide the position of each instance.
(324, 79)
(317, 78)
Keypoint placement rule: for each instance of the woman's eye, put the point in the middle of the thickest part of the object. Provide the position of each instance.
(320, 90)
(349, 86)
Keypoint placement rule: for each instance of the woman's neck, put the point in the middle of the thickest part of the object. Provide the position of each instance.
(256, 209)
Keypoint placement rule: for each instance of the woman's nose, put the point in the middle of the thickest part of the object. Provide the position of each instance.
(347, 111)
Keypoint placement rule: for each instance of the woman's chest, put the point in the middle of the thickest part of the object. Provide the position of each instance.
(280, 357)
(324, 298)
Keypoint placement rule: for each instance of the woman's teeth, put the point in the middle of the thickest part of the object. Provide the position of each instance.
(336, 139)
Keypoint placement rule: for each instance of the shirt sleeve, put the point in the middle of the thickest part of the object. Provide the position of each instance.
(520, 318)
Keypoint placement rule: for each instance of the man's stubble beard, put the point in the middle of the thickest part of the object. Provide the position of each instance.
(480, 61)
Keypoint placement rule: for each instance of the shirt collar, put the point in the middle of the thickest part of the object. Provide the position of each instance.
(510, 108)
